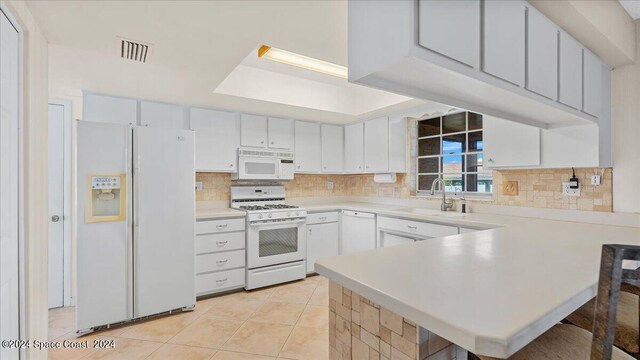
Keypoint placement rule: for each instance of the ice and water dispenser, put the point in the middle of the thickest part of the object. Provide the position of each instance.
(107, 198)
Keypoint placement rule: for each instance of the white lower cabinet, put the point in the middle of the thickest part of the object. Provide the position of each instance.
(410, 229)
(220, 255)
(323, 237)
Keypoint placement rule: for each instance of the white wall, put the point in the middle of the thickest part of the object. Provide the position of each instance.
(35, 176)
(626, 134)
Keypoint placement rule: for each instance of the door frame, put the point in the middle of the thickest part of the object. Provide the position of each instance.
(66, 214)
(21, 251)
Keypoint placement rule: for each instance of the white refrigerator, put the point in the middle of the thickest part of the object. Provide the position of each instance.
(135, 222)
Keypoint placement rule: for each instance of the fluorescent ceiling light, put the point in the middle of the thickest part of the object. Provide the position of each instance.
(286, 57)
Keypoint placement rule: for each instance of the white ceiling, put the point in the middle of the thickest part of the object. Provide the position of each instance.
(196, 46)
(632, 7)
(262, 79)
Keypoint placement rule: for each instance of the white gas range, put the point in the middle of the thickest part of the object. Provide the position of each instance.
(276, 235)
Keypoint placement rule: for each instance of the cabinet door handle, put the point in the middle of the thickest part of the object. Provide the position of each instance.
(272, 143)
(221, 226)
(230, 165)
(322, 218)
(412, 227)
(262, 142)
(490, 160)
(221, 281)
(222, 243)
(222, 262)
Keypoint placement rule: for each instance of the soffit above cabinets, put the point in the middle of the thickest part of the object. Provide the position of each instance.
(632, 7)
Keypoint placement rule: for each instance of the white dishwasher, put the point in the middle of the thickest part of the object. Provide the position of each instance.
(358, 231)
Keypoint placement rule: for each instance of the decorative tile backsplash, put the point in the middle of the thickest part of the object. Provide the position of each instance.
(540, 188)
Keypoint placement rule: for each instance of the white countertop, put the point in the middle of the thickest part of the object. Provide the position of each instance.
(491, 291)
(218, 213)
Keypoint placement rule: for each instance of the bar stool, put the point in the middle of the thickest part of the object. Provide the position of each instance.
(627, 321)
(564, 341)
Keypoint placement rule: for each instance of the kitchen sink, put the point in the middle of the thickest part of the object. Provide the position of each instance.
(431, 212)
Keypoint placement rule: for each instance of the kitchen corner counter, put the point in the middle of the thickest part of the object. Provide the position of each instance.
(491, 291)
(218, 213)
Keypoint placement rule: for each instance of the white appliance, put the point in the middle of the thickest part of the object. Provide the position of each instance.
(255, 164)
(276, 235)
(136, 222)
(358, 231)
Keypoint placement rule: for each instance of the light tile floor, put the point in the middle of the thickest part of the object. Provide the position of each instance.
(289, 321)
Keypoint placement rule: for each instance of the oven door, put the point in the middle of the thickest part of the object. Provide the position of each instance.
(270, 243)
(258, 168)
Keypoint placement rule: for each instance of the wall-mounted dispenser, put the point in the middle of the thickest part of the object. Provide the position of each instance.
(107, 198)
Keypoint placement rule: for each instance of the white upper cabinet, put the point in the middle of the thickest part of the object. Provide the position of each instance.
(376, 145)
(354, 148)
(162, 115)
(332, 148)
(570, 71)
(280, 133)
(444, 25)
(398, 144)
(109, 109)
(217, 140)
(504, 40)
(542, 54)
(307, 146)
(592, 97)
(253, 130)
(509, 144)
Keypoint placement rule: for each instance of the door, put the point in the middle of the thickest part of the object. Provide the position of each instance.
(358, 231)
(570, 71)
(9, 208)
(164, 220)
(253, 130)
(503, 47)
(280, 133)
(451, 28)
(509, 144)
(542, 54)
(354, 148)
(376, 145)
(277, 242)
(56, 205)
(162, 115)
(592, 84)
(323, 240)
(332, 148)
(109, 109)
(307, 147)
(217, 139)
(104, 258)
(389, 239)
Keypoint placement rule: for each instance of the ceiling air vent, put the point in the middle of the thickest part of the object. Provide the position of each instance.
(134, 50)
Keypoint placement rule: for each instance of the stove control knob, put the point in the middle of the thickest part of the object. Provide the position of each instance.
(270, 215)
(260, 216)
(288, 214)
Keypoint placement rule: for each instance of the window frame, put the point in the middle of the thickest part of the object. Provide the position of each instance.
(464, 173)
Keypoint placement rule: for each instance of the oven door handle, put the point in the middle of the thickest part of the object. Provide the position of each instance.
(268, 222)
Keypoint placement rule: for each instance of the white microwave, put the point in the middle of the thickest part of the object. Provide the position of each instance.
(255, 164)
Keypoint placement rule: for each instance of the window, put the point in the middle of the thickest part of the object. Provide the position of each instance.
(450, 147)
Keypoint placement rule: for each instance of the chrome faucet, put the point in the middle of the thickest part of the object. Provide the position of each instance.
(444, 206)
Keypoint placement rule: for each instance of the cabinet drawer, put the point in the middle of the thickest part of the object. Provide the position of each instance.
(319, 218)
(219, 261)
(220, 242)
(219, 281)
(418, 228)
(218, 226)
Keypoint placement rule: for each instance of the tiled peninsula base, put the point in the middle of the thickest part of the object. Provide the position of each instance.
(363, 330)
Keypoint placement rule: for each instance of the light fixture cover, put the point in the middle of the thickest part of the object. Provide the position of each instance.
(287, 57)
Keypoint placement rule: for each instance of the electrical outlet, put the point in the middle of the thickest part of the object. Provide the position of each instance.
(330, 185)
(568, 191)
(198, 185)
(510, 188)
(596, 180)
